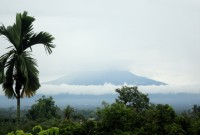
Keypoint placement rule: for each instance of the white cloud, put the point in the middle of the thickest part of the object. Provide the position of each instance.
(77, 89)
(47, 89)
(110, 89)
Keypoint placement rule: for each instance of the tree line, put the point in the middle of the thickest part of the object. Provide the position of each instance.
(130, 114)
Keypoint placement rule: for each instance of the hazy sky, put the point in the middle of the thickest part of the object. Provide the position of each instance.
(159, 39)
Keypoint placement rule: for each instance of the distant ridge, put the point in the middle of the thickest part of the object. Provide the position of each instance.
(92, 101)
(102, 77)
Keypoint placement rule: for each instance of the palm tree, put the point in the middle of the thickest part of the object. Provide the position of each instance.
(18, 70)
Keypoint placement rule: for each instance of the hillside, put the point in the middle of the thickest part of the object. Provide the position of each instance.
(102, 77)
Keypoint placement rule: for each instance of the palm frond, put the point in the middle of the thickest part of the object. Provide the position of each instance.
(3, 63)
(27, 67)
(27, 25)
(20, 32)
(8, 33)
(41, 38)
(3, 30)
(8, 81)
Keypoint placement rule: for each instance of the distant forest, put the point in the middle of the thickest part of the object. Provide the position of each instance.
(130, 114)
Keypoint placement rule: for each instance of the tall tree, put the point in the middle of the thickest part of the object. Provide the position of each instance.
(43, 109)
(18, 70)
(132, 97)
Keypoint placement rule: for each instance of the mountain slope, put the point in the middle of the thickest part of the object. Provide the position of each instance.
(100, 78)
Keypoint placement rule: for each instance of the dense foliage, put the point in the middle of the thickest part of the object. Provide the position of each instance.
(43, 109)
(119, 118)
(131, 97)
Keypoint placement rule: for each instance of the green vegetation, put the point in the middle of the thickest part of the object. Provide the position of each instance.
(131, 97)
(130, 114)
(18, 70)
(43, 109)
(120, 118)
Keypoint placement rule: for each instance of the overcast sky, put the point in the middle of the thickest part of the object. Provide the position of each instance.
(159, 39)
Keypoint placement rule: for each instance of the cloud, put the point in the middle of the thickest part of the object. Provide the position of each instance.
(77, 89)
(47, 89)
(110, 89)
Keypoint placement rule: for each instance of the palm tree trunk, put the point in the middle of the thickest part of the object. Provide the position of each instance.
(17, 90)
(18, 110)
